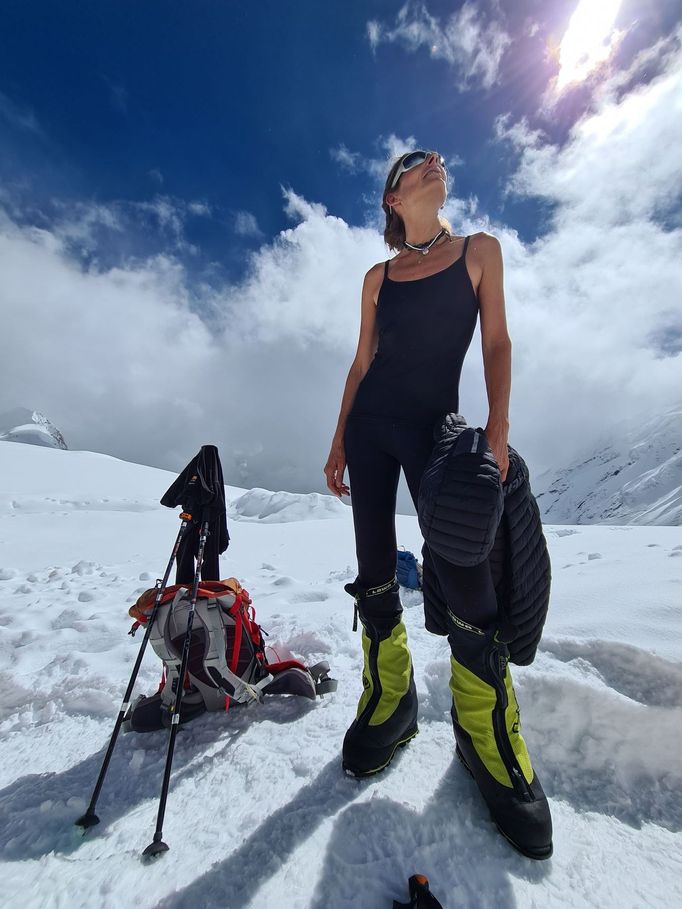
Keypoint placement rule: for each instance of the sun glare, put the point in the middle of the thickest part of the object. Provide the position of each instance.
(589, 40)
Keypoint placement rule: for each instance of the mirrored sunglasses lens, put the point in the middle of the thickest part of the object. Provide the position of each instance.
(413, 159)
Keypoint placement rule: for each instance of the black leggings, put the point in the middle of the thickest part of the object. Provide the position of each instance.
(376, 448)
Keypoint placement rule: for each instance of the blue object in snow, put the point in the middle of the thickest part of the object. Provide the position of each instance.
(407, 570)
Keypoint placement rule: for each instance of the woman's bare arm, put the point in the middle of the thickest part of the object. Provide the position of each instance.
(496, 344)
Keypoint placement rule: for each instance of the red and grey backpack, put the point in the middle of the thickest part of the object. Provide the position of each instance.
(227, 659)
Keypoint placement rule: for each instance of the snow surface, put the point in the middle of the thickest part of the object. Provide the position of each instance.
(634, 480)
(259, 811)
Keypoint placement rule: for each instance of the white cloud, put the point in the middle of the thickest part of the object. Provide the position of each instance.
(156, 175)
(388, 148)
(246, 225)
(619, 163)
(79, 227)
(150, 380)
(593, 311)
(351, 161)
(373, 33)
(87, 227)
(472, 42)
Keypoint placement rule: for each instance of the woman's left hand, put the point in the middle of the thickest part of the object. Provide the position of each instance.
(497, 433)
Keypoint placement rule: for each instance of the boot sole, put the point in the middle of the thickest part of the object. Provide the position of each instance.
(539, 855)
(529, 853)
(358, 774)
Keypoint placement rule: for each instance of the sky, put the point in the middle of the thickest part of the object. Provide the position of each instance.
(190, 198)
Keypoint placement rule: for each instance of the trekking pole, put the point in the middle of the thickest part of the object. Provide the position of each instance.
(157, 846)
(89, 819)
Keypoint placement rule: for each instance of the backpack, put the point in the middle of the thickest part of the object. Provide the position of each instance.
(408, 570)
(227, 661)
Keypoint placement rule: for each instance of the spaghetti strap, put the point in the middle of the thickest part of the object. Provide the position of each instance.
(386, 269)
(466, 243)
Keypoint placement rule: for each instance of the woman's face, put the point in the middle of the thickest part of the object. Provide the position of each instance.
(425, 180)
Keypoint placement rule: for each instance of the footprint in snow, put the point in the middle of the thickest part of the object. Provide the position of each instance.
(593, 555)
(66, 619)
(310, 596)
(342, 574)
(83, 567)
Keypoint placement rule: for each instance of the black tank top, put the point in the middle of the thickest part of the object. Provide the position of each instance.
(425, 328)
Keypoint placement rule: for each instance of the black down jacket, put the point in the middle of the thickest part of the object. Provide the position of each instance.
(466, 515)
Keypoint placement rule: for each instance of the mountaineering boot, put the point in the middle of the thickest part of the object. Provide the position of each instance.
(485, 717)
(387, 711)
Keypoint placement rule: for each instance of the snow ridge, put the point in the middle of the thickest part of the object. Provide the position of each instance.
(30, 427)
(637, 481)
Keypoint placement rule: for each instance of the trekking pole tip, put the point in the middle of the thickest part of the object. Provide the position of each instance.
(89, 819)
(154, 849)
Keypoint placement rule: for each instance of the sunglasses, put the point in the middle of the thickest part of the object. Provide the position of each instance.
(413, 160)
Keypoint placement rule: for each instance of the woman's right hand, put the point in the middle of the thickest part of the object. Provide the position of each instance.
(334, 468)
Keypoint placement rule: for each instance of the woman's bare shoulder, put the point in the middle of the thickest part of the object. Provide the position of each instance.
(376, 272)
(373, 280)
(484, 245)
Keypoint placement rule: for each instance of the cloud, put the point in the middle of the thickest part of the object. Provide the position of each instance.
(350, 161)
(470, 41)
(19, 117)
(617, 165)
(246, 225)
(112, 232)
(159, 366)
(595, 302)
(156, 175)
(150, 380)
(169, 216)
(377, 165)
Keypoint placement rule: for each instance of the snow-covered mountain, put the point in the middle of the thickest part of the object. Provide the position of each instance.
(637, 480)
(31, 427)
(259, 811)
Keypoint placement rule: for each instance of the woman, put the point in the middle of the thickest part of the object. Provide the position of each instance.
(416, 326)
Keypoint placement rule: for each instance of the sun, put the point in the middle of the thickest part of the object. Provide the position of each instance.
(589, 40)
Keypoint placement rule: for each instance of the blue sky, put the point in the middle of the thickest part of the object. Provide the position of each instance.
(219, 166)
(221, 103)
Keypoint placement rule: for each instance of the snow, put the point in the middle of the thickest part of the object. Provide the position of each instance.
(259, 811)
(30, 427)
(636, 479)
